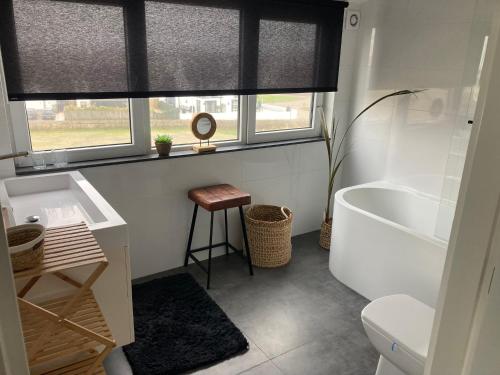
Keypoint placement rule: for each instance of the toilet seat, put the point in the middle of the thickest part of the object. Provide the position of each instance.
(401, 327)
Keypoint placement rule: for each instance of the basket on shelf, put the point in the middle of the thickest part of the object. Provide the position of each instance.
(26, 245)
(269, 231)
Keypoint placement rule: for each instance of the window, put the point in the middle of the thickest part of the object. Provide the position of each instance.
(173, 116)
(283, 112)
(67, 124)
(283, 116)
(90, 129)
(85, 129)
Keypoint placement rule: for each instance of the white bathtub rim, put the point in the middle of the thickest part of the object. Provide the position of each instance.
(339, 198)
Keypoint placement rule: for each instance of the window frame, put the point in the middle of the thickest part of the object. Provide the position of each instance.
(138, 135)
(140, 128)
(240, 128)
(287, 134)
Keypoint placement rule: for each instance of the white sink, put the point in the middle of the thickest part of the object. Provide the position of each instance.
(58, 199)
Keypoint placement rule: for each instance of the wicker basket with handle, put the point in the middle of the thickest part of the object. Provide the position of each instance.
(26, 245)
(269, 235)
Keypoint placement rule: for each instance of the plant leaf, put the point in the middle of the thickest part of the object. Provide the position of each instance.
(333, 174)
(335, 128)
(331, 145)
(396, 93)
(326, 136)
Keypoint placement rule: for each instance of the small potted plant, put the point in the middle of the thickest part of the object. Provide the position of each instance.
(163, 144)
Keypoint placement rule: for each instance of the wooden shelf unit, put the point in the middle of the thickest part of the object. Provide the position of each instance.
(66, 335)
(78, 368)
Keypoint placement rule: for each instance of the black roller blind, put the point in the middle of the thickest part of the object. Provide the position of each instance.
(68, 49)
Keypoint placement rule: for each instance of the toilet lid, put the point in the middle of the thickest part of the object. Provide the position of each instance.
(404, 320)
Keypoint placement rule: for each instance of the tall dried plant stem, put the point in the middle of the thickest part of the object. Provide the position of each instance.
(334, 149)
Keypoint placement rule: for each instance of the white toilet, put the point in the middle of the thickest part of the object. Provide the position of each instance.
(399, 326)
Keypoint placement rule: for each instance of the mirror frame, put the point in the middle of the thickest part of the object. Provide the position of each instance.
(194, 123)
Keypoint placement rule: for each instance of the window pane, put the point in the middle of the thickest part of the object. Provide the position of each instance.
(283, 112)
(173, 116)
(63, 124)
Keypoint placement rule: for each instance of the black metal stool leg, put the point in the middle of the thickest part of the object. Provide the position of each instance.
(245, 238)
(227, 236)
(210, 248)
(191, 231)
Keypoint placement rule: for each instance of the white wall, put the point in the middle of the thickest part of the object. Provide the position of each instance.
(472, 241)
(416, 141)
(152, 197)
(484, 344)
(12, 350)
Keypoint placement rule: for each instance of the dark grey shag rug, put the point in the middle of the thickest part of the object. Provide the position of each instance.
(178, 328)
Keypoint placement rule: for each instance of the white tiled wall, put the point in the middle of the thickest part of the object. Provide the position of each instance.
(418, 141)
(152, 197)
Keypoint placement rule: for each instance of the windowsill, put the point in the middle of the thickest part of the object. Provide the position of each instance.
(23, 171)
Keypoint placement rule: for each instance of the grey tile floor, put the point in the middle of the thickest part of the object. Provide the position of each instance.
(298, 319)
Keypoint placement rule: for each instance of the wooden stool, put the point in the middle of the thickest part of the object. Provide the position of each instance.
(215, 198)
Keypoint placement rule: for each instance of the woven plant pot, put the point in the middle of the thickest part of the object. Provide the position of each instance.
(269, 231)
(325, 234)
(26, 245)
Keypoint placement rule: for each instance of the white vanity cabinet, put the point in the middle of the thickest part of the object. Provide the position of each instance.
(68, 198)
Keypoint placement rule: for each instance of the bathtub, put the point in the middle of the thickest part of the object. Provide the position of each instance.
(383, 242)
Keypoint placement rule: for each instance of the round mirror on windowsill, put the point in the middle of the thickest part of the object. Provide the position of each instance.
(203, 127)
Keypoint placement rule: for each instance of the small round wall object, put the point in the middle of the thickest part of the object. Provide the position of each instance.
(203, 127)
(353, 18)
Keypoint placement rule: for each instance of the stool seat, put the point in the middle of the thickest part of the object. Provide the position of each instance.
(219, 197)
(214, 198)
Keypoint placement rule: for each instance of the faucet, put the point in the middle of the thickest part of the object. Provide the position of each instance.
(13, 155)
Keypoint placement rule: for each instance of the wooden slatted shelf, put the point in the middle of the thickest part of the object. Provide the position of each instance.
(65, 248)
(78, 368)
(64, 341)
(67, 335)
